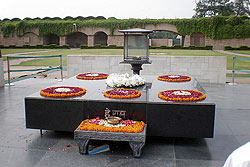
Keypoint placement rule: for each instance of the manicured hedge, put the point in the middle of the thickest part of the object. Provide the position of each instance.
(236, 48)
(191, 47)
(98, 46)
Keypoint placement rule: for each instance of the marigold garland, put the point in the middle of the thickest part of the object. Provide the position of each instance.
(92, 125)
(92, 76)
(51, 91)
(170, 96)
(178, 78)
(121, 93)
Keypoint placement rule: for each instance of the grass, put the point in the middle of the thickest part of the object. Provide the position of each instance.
(247, 52)
(54, 61)
(240, 64)
(12, 51)
(239, 75)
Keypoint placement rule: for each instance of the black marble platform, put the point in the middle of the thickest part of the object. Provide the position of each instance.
(163, 118)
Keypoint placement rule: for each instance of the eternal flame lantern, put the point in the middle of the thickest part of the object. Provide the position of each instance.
(136, 48)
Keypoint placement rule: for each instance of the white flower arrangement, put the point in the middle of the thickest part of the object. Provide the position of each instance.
(119, 80)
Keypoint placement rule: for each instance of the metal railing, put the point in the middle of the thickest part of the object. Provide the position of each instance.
(39, 69)
(234, 70)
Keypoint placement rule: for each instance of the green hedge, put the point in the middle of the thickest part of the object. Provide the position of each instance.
(191, 47)
(236, 48)
(98, 46)
(217, 27)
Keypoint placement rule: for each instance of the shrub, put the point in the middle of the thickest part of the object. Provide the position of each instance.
(243, 48)
(12, 46)
(208, 47)
(163, 46)
(97, 46)
(228, 48)
(154, 47)
(177, 46)
(84, 46)
(66, 46)
(112, 47)
(53, 46)
(39, 46)
(26, 46)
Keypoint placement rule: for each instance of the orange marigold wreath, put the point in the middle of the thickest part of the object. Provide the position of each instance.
(62, 91)
(174, 78)
(121, 93)
(181, 95)
(92, 76)
(126, 126)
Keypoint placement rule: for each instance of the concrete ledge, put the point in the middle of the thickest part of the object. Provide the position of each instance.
(1, 73)
(206, 69)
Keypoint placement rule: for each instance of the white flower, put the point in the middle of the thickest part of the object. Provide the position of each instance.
(119, 80)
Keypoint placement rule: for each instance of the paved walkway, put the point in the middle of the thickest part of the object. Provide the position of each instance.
(25, 148)
(231, 53)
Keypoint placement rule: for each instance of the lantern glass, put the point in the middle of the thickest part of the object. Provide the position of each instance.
(136, 47)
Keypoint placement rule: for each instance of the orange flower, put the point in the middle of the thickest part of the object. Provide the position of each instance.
(48, 94)
(136, 127)
(168, 79)
(180, 99)
(84, 77)
(120, 96)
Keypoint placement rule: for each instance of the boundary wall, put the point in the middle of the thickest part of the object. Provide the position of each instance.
(206, 69)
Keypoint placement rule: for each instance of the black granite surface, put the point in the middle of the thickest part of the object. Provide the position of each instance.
(164, 118)
(24, 147)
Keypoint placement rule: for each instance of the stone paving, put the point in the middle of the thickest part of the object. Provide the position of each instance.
(26, 148)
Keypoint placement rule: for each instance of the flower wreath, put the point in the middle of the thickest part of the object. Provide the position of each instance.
(125, 126)
(121, 93)
(92, 76)
(62, 91)
(174, 78)
(181, 95)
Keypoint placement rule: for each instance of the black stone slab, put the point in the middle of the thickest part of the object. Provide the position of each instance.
(164, 118)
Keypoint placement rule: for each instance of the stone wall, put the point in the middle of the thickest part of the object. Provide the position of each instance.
(206, 69)
(159, 42)
(116, 38)
(220, 43)
(1, 73)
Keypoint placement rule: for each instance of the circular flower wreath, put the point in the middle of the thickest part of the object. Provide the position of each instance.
(92, 76)
(62, 91)
(174, 78)
(181, 95)
(122, 93)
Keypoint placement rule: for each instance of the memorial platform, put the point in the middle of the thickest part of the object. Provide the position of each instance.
(163, 118)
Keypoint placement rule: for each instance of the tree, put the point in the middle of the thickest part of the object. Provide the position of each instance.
(100, 18)
(68, 18)
(206, 8)
(242, 7)
(15, 19)
(213, 8)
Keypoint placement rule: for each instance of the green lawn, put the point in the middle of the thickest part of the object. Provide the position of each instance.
(54, 61)
(240, 64)
(247, 52)
(12, 51)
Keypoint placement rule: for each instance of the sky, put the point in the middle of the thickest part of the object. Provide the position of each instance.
(141, 9)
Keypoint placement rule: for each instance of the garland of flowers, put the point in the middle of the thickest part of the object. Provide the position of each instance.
(92, 76)
(181, 95)
(174, 78)
(121, 93)
(125, 126)
(124, 80)
(62, 91)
